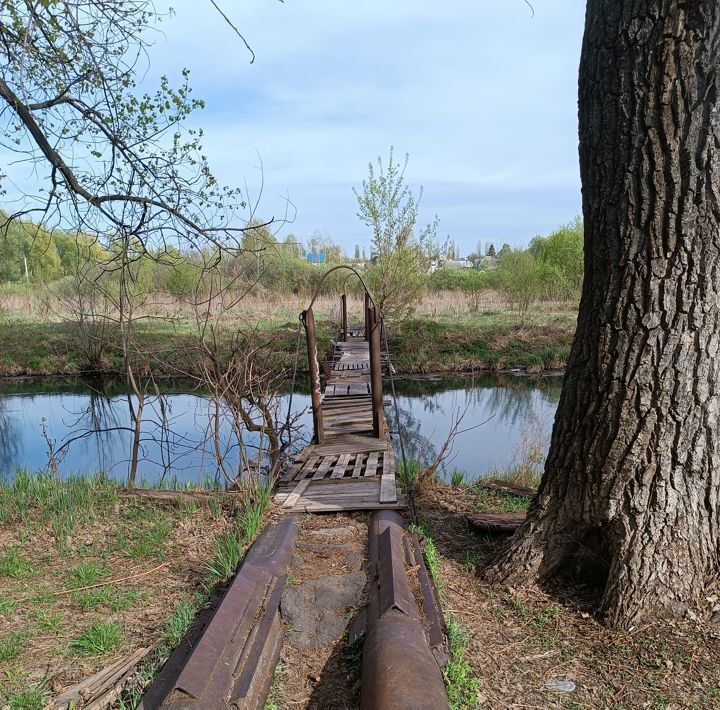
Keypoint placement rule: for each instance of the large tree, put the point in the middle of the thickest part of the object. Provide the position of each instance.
(630, 497)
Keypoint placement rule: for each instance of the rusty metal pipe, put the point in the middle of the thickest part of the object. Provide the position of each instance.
(308, 320)
(399, 670)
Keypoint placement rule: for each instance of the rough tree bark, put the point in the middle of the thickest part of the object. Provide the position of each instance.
(630, 498)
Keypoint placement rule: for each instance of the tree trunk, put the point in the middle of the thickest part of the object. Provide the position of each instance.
(630, 495)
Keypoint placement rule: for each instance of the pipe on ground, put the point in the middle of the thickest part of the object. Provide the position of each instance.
(399, 669)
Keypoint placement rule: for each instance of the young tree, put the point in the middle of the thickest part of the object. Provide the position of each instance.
(630, 497)
(387, 205)
(357, 252)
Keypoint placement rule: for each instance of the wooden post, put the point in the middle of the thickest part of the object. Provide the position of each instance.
(367, 323)
(376, 374)
(343, 313)
(315, 395)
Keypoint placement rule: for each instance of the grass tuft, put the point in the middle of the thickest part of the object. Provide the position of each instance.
(11, 647)
(32, 699)
(87, 574)
(14, 566)
(457, 477)
(99, 639)
(461, 685)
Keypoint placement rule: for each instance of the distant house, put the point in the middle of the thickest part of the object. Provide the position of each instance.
(486, 263)
(457, 264)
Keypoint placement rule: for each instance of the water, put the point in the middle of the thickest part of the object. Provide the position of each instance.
(501, 416)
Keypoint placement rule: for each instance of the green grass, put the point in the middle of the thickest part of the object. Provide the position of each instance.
(228, 552)
(87, 574)
(14, 566)
(7, 606)
(37, 501)
(457, 477)
(99, 639)
(461, 685)
(109, 597)
(32, 699)
(491, 501)
(230, 548)
(45, 621)
(440, 338)
(147, 534)
(179, 621)
(11, 646)
(408, 473)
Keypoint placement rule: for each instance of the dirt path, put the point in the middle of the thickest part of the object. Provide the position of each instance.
(326, 588)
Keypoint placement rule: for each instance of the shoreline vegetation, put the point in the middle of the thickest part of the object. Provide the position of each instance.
(444, 336)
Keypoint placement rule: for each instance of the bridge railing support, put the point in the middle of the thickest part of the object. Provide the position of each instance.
(367, 325)
(308, 320)
(373, 335)
(343, 316)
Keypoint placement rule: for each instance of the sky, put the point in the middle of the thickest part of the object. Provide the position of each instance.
(481, 94)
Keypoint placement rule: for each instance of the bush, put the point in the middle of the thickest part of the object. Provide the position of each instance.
(560, 261)
(519, 278)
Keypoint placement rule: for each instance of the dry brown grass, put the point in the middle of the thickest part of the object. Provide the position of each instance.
(520, 639)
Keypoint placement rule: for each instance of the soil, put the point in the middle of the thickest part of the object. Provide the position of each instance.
(520, 641)
(326, 589)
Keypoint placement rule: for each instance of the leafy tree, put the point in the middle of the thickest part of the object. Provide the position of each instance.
(518, 277)
(388, 207)
(560, 259)
(491, 250)
(629, 503)
(321, 242)
(293, 247)
(357, 252)
(24, 244)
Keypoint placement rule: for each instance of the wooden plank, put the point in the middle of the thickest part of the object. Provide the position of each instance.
(294, 497)
(372, 462)
(359, 461)
(313, 507)
(307, 467)
(339, 469)
(324, 467)
(388, 490)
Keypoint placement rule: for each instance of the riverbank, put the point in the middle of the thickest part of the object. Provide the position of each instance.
(543, 648)
(90, 575)
(441, 341)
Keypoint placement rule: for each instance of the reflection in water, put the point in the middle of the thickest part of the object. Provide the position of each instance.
(505, 418)
(9, 436)
(96, 421)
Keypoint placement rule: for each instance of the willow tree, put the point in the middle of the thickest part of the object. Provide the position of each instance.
(630, 497)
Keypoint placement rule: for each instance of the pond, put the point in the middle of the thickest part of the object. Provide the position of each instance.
(504, 420)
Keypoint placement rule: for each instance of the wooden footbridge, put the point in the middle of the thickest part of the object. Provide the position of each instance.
(229, 656)
(351, 463)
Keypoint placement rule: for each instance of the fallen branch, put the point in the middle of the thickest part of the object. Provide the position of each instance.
(110, 581)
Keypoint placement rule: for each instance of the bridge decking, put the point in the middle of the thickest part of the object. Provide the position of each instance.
(351, 469)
